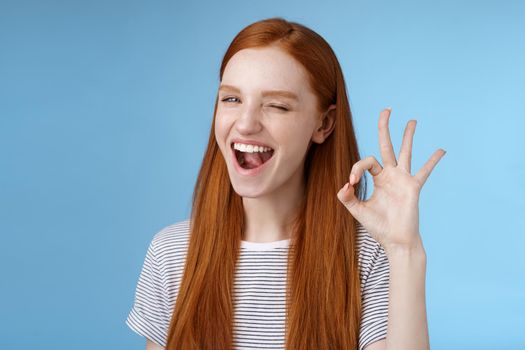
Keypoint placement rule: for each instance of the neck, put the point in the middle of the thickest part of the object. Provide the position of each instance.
(268, 218)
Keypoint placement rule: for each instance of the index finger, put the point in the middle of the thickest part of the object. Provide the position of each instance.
(385, 144)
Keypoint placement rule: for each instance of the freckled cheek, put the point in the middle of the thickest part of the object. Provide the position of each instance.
(296, 144)
(220, 134)
(225, 120)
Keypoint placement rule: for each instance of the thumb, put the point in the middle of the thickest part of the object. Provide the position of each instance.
(347, 197)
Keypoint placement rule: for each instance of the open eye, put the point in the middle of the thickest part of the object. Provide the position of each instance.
(227, 99)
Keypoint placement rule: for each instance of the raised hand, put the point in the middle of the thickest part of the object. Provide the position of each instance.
(391, 214)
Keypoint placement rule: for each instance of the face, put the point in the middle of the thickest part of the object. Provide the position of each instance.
(250, 110)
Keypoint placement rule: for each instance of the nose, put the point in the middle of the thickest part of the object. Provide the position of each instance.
(249, 120)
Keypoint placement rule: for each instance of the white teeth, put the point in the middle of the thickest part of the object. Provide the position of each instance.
(250, 148)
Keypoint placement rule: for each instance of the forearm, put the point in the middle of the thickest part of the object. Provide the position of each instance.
(407, 319)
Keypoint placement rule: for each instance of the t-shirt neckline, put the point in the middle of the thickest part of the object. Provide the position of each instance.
(283, 243)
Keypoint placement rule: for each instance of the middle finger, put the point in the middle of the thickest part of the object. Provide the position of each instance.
(385, 144)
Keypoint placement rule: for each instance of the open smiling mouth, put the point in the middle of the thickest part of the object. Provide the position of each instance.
(252, 160)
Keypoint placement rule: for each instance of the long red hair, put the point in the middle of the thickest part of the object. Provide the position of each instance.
(323, 284)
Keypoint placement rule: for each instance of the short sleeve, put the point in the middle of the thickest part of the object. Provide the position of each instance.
(374, 297)
(149, 314)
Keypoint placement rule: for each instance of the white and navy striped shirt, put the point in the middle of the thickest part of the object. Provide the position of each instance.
(259, 289)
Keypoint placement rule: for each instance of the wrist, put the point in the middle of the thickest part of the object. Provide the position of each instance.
(413, 250)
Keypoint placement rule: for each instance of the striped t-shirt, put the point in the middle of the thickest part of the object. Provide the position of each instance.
(259, 289)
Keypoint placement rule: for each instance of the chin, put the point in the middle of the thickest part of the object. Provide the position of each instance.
(246, 192)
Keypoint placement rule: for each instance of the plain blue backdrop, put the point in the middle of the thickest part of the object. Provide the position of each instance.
(105, 111)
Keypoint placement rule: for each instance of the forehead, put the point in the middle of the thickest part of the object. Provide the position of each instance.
(268, 68)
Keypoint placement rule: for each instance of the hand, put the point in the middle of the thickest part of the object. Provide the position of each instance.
(391, 214)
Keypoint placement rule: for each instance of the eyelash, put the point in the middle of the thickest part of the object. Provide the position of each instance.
(278, 107)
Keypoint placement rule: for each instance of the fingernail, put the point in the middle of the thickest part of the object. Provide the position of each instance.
(345, 188)
(389, 108)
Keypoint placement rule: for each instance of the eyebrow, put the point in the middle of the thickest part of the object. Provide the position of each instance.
(270, 93)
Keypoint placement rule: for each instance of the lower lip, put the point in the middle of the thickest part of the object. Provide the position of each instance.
(250, 172)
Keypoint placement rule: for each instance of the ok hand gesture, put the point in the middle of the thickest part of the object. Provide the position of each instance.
(391, 214)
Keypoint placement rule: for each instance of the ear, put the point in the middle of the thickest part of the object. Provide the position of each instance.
(325, 125)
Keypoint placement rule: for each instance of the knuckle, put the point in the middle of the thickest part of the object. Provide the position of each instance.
(357, 165)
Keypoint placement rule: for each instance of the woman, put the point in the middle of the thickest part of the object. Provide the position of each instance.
(282, 250)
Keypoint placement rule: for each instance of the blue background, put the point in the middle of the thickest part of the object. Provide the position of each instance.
(105, 110)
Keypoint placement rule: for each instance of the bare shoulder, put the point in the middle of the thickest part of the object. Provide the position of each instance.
(377, 345)
(152, 346)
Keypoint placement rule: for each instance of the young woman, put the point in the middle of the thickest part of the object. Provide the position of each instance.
(282, 251)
